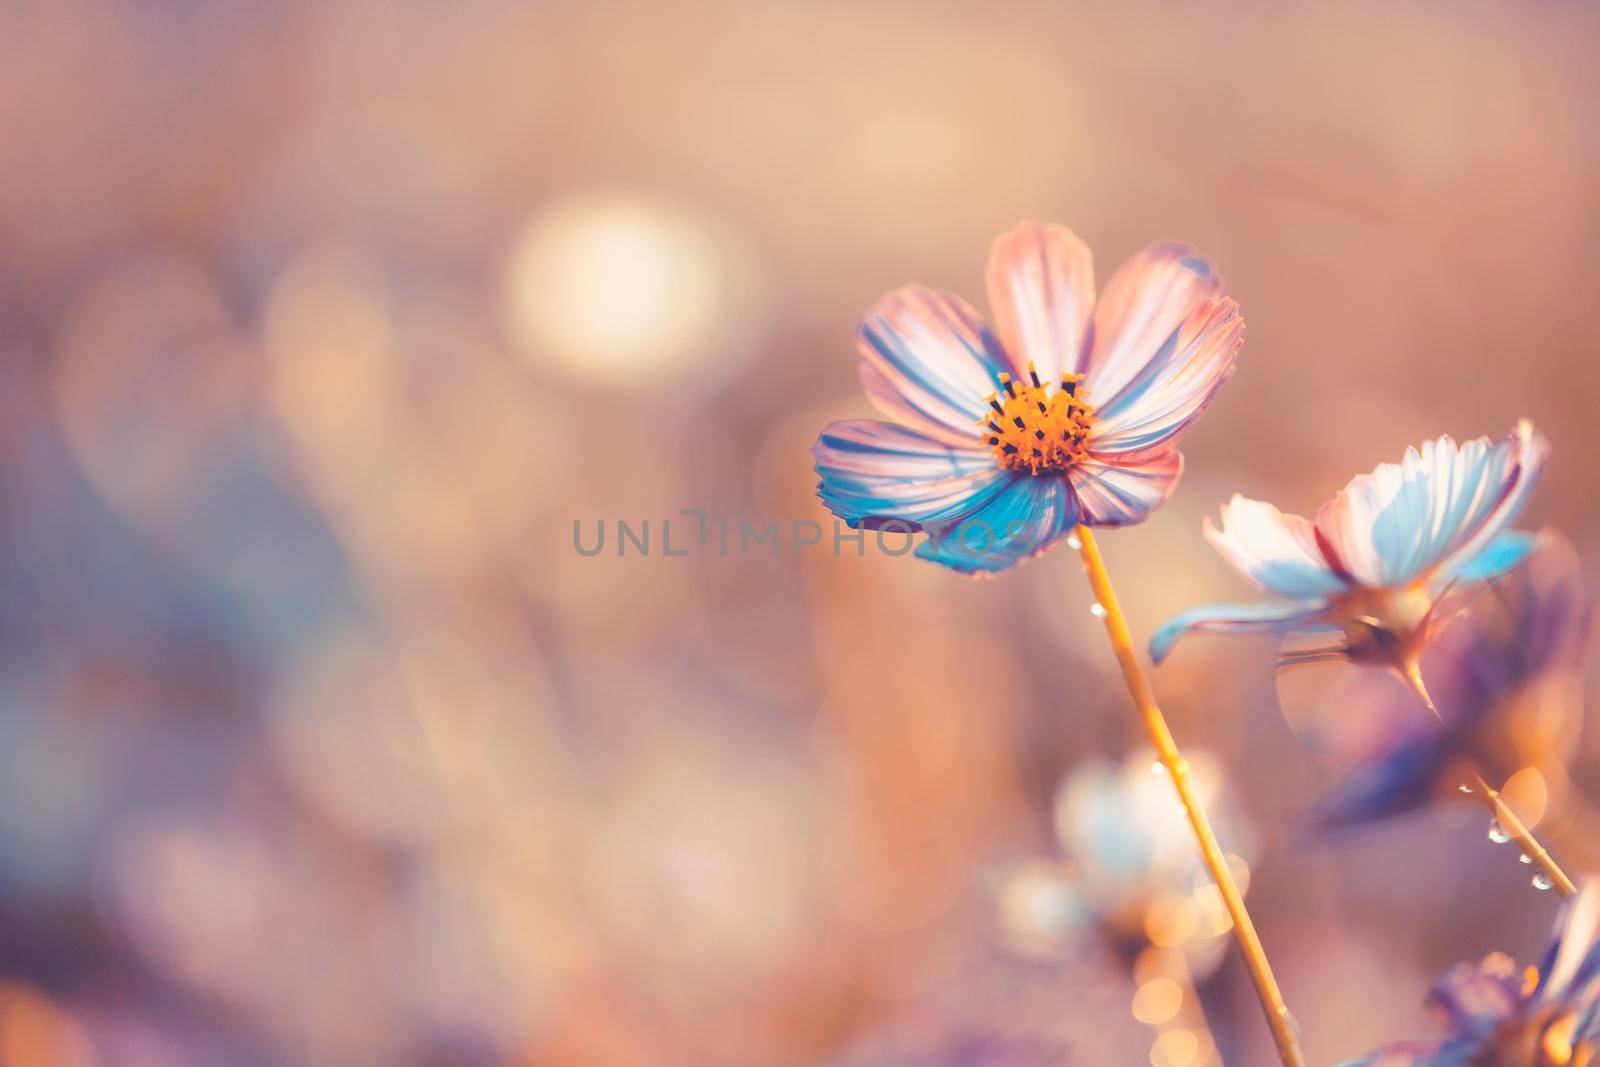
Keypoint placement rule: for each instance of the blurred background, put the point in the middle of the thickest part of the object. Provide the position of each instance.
(322, 325)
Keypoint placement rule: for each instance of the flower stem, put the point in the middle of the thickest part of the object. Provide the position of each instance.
(1519, 833)
(1155, 724)
(1514, 827)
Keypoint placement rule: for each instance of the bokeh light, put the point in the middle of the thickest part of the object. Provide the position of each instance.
(624, 290)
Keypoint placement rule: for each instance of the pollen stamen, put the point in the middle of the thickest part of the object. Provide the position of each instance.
(1041, 428)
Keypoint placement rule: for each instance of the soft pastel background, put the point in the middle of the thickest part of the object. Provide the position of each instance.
(323, 322)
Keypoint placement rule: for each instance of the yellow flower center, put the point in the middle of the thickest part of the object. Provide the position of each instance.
(1032, 428)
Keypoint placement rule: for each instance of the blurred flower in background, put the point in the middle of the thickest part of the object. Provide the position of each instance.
(1547, 1016)
(1130, 869)
(1130, 884)
(1504, 677)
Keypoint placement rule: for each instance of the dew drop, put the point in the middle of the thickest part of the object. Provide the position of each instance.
(1098, 610)
(1158, 768)
(1541, 881)
(1497, 833)
(1467, 789)
(1524, 858)
(1073, 542)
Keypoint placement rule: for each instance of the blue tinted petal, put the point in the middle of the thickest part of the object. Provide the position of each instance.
(1477, 997)
(875, 471)
(1023, 519)
(1270, 616)
(1416, 1054)
(1443, 503)
(1402, 781)
(1498, 556)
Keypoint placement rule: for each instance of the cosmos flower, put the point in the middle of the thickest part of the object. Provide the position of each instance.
(1069, 412)
(1504, 680)
(1548, 1016)
(1381, 554)
(1130, 872)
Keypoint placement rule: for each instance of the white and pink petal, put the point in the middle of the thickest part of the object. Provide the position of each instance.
(1113, 491)
(1174, 388)
(1041, 293)
(915, 409)
(1143, 305)
(934, 353)
(1277, 553)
